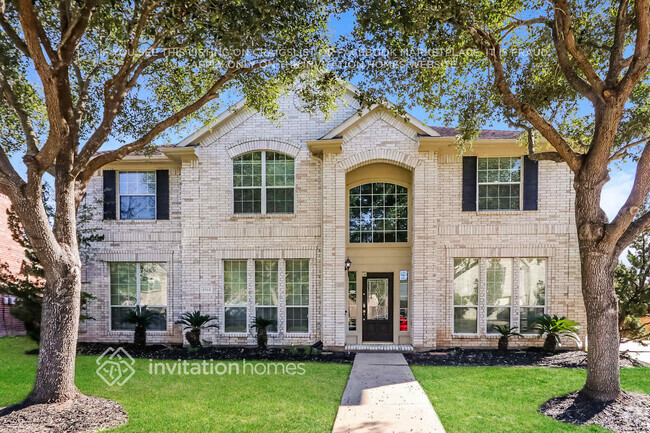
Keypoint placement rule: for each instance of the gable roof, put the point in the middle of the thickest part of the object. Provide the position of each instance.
(485, 134)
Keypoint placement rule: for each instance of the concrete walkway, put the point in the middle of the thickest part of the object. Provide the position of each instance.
(382, 396)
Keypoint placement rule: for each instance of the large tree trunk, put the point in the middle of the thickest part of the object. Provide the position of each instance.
(603, 381)
(59, 330)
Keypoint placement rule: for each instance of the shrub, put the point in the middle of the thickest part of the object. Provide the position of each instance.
(506, 333)
(262, 336)
(193, 323)
(555, 328)
(141, 318)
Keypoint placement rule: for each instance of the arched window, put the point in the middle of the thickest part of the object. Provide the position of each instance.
(263, 182)
(378, 213)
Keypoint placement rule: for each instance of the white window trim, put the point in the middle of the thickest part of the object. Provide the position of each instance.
(477, 306)
(119, 196)
(520, 183)
(137, 276)
(308, 306)
(263, 187)
(545, 306)
(223, 300)
(277, 306)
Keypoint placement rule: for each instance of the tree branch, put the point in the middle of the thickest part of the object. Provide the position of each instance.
(615, 230)
(616, 61)
(492, 49)
(68, 45)
(623, 150)
(11, 33)
(635, 229)
(641, 57)
(25, 120)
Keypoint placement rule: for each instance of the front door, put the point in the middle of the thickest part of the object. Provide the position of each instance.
(377, 308)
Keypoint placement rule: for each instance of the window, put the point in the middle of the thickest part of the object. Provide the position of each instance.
(263, 182)
(532, 292)
(235, 295)
(297, 288)
(266, 291)
(499, 293)
(466, 275)
(137, 192)
(352, 301)
(403, 300)
(138, 284)
(499, 183)
(378, 213)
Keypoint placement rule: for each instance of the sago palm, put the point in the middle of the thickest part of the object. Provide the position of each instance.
(555, 328)
(193, 323)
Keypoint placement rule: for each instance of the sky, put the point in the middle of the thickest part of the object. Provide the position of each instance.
(614, 193)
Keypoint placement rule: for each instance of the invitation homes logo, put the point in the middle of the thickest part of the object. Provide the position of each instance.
(115, 366)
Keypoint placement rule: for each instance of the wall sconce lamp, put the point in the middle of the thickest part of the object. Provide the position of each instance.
(348, 263)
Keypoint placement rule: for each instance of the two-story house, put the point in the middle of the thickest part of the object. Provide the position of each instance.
(357, 229)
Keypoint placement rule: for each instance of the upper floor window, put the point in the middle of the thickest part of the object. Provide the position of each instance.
(263, 182)
(137, 195)
(378, 213)
(499, 183)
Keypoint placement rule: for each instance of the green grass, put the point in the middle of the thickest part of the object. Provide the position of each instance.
(506, 399)
(206, 403)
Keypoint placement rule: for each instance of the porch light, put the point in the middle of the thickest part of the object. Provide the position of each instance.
(348, 263)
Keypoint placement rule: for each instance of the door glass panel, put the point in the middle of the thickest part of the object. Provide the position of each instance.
(377, 299)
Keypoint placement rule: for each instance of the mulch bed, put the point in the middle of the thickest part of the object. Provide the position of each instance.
(630, 413)
(174, 352)
(533, 357)
(85, 414)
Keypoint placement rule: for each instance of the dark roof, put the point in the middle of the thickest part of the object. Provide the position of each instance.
(485, 134)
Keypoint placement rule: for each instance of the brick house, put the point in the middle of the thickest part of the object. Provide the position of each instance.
(13, 255)
(351, 230)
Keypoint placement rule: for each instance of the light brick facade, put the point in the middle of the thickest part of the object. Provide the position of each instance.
(12, 255)
(203, 231)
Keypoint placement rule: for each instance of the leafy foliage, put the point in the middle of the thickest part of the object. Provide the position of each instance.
(193, 323)
(261, 324)
(555, 328)
(141, 318)
(632, 285)
(506, 332)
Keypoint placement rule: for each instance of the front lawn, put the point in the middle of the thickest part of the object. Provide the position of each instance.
(506, 399)
(199, 403)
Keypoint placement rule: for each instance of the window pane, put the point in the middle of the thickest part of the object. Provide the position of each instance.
(499, 281)
(159, 323)
(235, 282)
(153, 284)
(123, 281)
(247, 170)
(266, 282)
(279, 169)
(297, 319)
(497, 316)
(137, 207)
(118, 314)
(527, 317)
(247, 200)
(499, 186)
(270, 313)
(403, 300)
(137, 183)
(352, 301)
(279, 200)
(532, 281)
(466, 273)
(378, 213)
(235, 319)
(465, 320)
(297, 282)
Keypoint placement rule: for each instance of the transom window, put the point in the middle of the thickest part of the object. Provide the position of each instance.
(138, 284)
(378, 213)
(137, 193)
(263, 183)
(499, 183)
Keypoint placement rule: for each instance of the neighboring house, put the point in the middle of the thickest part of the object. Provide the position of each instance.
(247, 217)
(12, 254)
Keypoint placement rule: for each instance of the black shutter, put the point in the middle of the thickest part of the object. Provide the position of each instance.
(109, 194)
(531, 169)
(469, 183)
(162, 194)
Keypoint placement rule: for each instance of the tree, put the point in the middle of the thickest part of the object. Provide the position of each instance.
(28, 286)
(632, 285)
(75, 74)
(572, 75)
